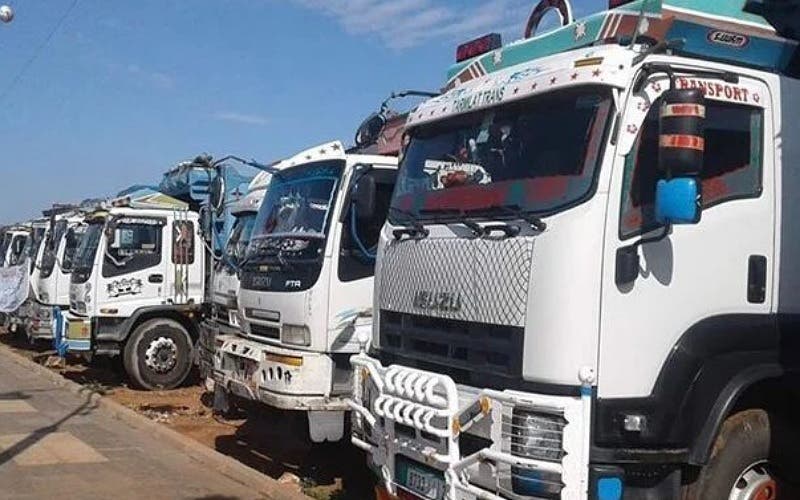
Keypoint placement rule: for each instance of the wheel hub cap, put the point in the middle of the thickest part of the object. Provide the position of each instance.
(161, 355)
(755, 483)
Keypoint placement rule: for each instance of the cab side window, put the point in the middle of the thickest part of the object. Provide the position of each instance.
(354, 263)
(183, 242)
(134, 247)
(732, 168)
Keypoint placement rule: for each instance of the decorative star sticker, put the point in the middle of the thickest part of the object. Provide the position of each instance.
(444, 109)
(498, 57)
(596, 73)
(580, 30)
(533, 87)
(308, 157)
(656, 86)
(322, 151)
(575, 76)
(643, 106)
(757, 98)
(553, 81)
(336, 147)
(632, 129)
(516, 90)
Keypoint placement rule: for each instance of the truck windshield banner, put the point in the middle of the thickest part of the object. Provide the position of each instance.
(14, 287)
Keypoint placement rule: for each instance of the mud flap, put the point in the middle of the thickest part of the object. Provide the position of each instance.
(222, 403)
(325, 426)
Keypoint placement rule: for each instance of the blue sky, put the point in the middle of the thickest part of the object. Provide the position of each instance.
(126, 89)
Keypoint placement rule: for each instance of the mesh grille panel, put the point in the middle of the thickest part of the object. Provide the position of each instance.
(490, 278)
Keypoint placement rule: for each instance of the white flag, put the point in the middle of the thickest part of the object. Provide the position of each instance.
(14, 286)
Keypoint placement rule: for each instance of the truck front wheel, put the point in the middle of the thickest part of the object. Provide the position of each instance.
(158, 354)
(745, 463)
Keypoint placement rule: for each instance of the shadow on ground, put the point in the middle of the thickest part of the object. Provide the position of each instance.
(276, 442)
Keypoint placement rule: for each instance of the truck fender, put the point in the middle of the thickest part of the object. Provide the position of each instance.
(700, 452)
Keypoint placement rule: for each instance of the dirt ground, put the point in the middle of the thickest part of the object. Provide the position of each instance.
(270, 441)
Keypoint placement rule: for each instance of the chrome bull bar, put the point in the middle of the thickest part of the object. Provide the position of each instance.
(429, 402)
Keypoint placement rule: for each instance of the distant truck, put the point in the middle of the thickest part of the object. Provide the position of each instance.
(52, 268)
(306, 285)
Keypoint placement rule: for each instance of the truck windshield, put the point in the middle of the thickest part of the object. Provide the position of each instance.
(297, 209)
(539, 156)
(73, 241)
(19, 246)
(240, 237)
(51, 244)
(87, 248)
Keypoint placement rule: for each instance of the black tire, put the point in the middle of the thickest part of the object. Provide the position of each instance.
(749, 440)
(171, 371)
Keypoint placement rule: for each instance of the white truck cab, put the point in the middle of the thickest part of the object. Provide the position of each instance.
(223, 288)
(137, 287)
(587, 286)
(306, 285)
(51, 273)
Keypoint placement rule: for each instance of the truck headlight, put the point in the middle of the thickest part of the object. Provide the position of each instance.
(296, 335)
(537, 435)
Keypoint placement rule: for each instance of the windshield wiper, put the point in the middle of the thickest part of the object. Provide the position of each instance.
(460, 217)
(414, 227)
(515, 210)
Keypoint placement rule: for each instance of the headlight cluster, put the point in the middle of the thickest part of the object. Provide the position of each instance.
(538, 436)
(296, 335)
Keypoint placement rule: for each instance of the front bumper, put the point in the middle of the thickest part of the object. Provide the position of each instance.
(75, 333)
(39, 323)
(282, 378)
(211, 334)
(407, 416)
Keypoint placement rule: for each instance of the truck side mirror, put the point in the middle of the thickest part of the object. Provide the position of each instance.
(680, 157)
(364, 194)
(111, 233)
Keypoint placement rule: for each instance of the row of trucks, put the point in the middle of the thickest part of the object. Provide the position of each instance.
(568, 275)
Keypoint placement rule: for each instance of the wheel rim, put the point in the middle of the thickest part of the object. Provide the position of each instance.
(161, 355)
(755, 483)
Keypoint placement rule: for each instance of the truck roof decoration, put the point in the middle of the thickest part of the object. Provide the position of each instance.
(149, 198)
(712, 29)
(328, 151)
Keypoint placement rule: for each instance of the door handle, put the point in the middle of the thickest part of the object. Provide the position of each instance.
(757, 279)
(156, 278)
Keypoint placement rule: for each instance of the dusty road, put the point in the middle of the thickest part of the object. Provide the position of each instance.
(271, 442)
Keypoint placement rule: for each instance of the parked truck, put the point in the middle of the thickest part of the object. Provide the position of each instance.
(52, 267)
(222, 316)
(586, 287)
(136, 288)
(139, 281)
(306, 285)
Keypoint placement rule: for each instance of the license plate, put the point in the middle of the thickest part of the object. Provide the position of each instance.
(233, 318)
(422, 481)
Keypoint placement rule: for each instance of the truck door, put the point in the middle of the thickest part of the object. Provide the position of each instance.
(699, 288)
(133, 268)
(352, 284)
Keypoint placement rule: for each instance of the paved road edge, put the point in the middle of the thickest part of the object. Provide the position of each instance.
(223, 464)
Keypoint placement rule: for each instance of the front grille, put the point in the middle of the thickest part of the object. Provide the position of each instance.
(474, 354)
(267, 332)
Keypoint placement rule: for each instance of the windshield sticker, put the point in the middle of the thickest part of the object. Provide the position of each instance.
(479, 99)
(724, 91)
(450, 174)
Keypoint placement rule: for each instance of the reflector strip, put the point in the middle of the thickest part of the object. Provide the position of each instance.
(591, 61)
(676, 110)
(286, 360)
(683, 142)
